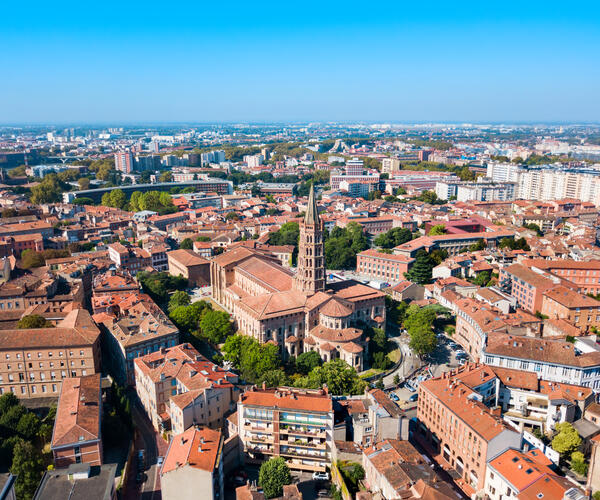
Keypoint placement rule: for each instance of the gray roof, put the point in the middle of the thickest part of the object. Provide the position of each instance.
(56, 485)
(312, 211)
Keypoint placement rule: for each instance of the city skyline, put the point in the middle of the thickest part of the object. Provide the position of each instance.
(134, 63)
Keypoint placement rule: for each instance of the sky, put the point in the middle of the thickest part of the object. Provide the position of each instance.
(257, 61)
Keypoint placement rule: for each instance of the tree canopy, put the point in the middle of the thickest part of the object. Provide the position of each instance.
(420, 272)
(215, 326)
(274, 474)
(393, 238)
(566, 440)
(33, 321)
(250, 357)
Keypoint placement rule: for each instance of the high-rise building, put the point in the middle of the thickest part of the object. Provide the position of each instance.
(389, 165)
(354, 167)
(310, 277)
(124, 162)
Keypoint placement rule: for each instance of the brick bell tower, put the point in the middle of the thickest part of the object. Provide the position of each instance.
(310, 275)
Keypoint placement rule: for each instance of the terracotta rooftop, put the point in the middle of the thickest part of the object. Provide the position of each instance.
(289, 399)
(197, 448)
(78, 413)
(186, 258)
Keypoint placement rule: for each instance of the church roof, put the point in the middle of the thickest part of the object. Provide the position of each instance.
(335, 309)
(336, 335)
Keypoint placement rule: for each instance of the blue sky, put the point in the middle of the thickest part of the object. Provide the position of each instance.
(128, 61)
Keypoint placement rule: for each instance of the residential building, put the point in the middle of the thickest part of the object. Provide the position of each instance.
(584, 274)
(390, 165)
(383, 266)
(77, 435)
(580, 310)
(179, 387)
(34, 362)
(136, 326)
(124, 162)
(130, 259)
(193, 267)
(79, 482)
(482, 190)
(515, 474)
(526, 285)
(395, 469)
(554, 360)
(593, 481)
(193, 466)
(455, 423)
(296, 424)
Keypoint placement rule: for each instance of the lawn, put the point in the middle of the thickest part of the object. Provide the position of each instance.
(395, 355)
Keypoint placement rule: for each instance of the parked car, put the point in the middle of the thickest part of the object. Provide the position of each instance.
(160, 460)
(413, 398)
(461, 362)
(394, 396)
(140, 478)
(320, 476)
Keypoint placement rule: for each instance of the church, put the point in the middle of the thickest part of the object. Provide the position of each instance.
(298, 312)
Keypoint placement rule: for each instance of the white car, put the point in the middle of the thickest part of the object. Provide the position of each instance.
(321, 476)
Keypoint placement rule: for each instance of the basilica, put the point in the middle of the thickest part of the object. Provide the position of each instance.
(298, 312)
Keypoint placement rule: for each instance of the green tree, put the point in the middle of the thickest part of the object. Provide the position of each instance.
(29, 425)
(356, 473)
(482, 279)
(187, 318)
(420, 272)
(437, 230)
(179, 298)
(428, 197)
(274, 474)
(166, 176)
(251, 358)
(33, 321)
(274, 378)
(476, 247)
(340, 378)
(578, 464)
(422, 340)
(466, 174)
(8, 400)
(393, 238)
(31, 258)
(307, 361)
(215, 326)
(84, 183)
(232, 216)
(566, 440)
(187, 244)
(396, 379)
(47, 191)
(28, 466)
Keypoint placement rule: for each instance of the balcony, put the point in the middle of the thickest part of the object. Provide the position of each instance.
(260, 439)
(305, 444)
(302, 431)
(258, 428)
(304, 453)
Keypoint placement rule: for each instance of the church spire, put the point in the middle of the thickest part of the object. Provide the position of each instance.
(312, 212)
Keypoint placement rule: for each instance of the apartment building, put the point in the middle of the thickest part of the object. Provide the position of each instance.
(455, 423)
(77, 435)
(382, 266)
(130, 259)
(515, 474)
(553, 360)
(34, 362)
(134, 327)
(78, 481)
(179, 387)
(526, 286)
(296, 424)
(482, 190)
(193, 466)
(580, 310)
(584, 274)
(395, 469)
(124, 162)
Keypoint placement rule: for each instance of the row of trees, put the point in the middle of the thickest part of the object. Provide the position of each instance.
(259, 363)
(159, 285)
(156, 201)
(199, 319)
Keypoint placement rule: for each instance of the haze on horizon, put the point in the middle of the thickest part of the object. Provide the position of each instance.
(140, 62)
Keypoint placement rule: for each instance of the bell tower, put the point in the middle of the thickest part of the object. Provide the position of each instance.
(310, 275)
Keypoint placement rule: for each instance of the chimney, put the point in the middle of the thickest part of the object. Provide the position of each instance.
(264, 385)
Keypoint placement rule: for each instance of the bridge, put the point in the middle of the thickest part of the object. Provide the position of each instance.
(208, 185)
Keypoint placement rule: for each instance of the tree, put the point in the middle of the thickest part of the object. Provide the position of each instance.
(437, 230)
(567, 440)
(340, 378)
(187, 318)
(166, 177)
(482, 279)
(396, 379)
(578, 464)
(179, 298)
(476, 247)
(47, 191)
(31, 258)
(307, 361)
(428, 197)
(393, 238)
(274, 474)
(379, 385)
(356, 473)
(33, 321)
(29, 425)
(84, 183)
(274, 378)
(27, 465)
(7, 401)
(466, 174)
(187, 244)
(215, 326)
(251, 358)
(422, 340)
(420, 272)
(232, 216)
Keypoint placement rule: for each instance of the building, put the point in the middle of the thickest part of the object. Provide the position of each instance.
(526, 285)
(134, 327)
(193, 466)
(34, 362)
(554, 360)
(124, 162)
(455, 424)
(580, 310)
(77, 435)
(297, 312)
(593, 482)
(519, 475)
(191, 266)
(383, 266)
(253, 161)
(179, 387)
(584, 274)
(130, 259)
(395, 469)
(296, 424)
(79, 482)
(390, 165)
(482, 190)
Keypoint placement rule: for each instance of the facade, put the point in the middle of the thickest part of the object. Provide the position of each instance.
(296, 424)
(584, 274)
(77, 436)
(382, 266)
(525, 285)
(580, 310)
(124, 162)
(193, 466)
(191, 266)
(553, 360)
(34, 362)
(482, 190)
(455, 423)
(179, 387)
(130, 259)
